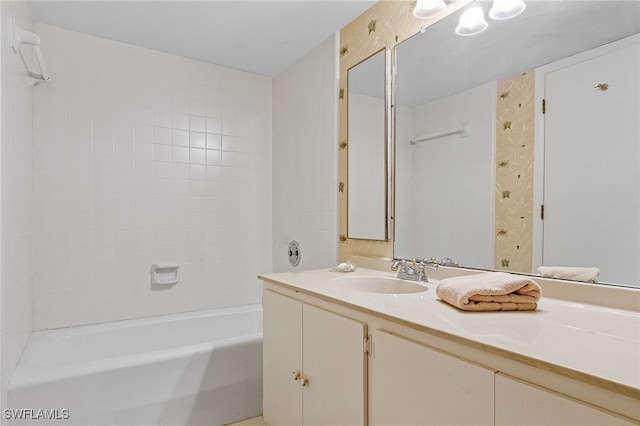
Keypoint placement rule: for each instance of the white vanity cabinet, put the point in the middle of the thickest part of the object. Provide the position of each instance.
(421, 366)
(521, 404)
(314, 365)
(413, 384)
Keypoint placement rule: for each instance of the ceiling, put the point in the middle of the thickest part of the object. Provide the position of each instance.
(439, 63)
(258, 36)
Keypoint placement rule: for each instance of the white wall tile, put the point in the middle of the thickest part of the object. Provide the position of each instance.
(305, 158)
(198, 107)
(180, 120)
(197, 123)
(214, 125)
(133, 171)
(180, 154)
(162, 136)
(180, 104)
(197, 139)
(180, 137)
(162, 118)
(144, 133)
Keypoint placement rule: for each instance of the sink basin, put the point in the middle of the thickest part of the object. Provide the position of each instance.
(381, 285)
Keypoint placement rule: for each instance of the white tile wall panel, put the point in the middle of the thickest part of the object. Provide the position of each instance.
(305, 152)
(20, 173)
(142, 166)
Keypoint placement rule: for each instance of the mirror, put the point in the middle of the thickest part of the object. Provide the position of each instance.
(367, 136)
(458, 151)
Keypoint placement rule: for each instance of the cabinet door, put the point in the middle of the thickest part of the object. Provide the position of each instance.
(282, 355)
(335, 365)
(412, 384)
(518, 403)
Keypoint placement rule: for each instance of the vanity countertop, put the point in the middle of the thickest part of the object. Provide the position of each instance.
(595, 344)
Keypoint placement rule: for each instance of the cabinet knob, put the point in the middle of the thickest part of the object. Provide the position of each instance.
(304, 382)
(296, 375)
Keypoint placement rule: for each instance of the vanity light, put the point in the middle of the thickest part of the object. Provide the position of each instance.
(429, 8)
(506, 9)
(472, 21)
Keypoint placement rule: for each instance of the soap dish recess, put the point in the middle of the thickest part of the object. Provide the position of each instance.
(164, 274)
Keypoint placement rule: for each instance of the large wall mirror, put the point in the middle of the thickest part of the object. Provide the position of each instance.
(367, 148)
(468, 176)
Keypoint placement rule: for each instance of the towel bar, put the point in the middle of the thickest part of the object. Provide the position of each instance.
(21, 37)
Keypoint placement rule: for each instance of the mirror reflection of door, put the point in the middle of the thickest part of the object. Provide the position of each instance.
(592, 163)
(435, 191)
(367, 169)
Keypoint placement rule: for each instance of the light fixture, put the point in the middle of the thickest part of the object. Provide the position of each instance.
(472, 21)
(506, 9)
(429, 8)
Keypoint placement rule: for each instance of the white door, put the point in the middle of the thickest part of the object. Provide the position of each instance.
(282, 355)
(335, 367)
(591, 166)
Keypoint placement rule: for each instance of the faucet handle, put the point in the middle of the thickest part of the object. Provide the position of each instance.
(447, 261)
(396, 263)
(430, 263)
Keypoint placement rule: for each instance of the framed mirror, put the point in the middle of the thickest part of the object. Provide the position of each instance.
(477, 160)
(367, 149)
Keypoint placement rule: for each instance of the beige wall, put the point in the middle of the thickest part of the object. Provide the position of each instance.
(514, 173)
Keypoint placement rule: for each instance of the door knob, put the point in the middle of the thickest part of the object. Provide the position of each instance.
(296, 375)
(304, 382)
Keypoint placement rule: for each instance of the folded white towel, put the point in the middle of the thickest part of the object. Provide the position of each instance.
(587, 275)
(491, 291)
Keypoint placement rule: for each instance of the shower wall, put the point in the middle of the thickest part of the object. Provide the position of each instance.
(16, 196)
(141, 157)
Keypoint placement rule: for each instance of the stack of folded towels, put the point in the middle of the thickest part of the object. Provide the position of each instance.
(491, 291)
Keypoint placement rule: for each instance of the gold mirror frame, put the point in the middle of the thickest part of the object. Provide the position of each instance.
(382, 26)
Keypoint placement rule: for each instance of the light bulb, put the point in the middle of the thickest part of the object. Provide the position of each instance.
(472, 21)
(506, 9)
(429, 8)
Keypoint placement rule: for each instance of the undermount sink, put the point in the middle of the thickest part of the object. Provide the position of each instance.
(383, 285)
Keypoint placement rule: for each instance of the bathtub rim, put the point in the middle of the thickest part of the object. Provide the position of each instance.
(38, 375)
(154, 319)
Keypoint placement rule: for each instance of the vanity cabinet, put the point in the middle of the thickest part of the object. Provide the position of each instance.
(413, 384)
(314, 365)
(521, 404)
(331, 361)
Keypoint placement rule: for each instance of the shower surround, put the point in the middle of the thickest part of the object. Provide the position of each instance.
(142, 157)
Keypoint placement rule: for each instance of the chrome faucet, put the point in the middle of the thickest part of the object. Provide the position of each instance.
(413, 270)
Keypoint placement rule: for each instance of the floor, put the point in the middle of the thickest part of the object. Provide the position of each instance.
(253, 421)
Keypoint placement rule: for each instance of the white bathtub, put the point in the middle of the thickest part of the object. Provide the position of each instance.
(199, 368)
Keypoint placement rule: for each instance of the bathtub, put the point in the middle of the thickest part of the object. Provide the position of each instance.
(199, 368)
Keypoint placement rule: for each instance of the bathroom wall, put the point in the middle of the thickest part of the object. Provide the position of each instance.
(515, 124)
(456, 171)
(305, 159)
(16, 202)
(367, 162)
(141, 157)
(404, 210)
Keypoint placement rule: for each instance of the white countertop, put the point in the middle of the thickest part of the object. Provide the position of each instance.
(603, 343)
